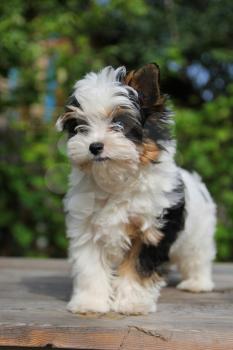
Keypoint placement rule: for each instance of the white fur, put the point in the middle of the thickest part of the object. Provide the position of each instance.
(194, 250)
(102, 200)
(133, 298)
(98, 93)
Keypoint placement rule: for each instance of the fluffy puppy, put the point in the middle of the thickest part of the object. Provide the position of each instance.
(130, 208)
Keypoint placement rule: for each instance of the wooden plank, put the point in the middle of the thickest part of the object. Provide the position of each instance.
(34, 293)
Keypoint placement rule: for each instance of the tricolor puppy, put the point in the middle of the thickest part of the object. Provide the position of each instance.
(130, 209)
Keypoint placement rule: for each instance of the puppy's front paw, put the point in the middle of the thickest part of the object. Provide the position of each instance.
(196, 285)
(87, 303)
(133, 307)
(132, 299)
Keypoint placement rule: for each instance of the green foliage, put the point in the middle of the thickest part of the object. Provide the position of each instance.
(191, 41)
(205, 144)
(31, 196)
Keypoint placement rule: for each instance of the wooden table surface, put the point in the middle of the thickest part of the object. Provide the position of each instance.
(34, 293)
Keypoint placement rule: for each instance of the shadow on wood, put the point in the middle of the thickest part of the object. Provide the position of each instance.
(58, 287)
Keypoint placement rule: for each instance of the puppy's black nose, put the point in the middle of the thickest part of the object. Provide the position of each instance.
(96, 148)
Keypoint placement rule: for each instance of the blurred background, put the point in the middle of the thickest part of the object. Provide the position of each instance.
(46, 45)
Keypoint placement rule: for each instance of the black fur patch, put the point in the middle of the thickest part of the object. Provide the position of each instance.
(72, 101)
(151, 257)
(120, 76)
(71, 123)
(132, 127)
(133, 98)
(156, 126)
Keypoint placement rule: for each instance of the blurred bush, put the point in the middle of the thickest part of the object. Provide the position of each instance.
(33, 176)
(46, 45)
(205, 144)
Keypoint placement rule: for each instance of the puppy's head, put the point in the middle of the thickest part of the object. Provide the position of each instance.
(115, 121)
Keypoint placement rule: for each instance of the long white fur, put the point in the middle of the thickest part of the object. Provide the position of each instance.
(100, 202)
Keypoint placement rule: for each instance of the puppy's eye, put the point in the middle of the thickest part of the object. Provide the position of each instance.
(117, 126)
(81, 129)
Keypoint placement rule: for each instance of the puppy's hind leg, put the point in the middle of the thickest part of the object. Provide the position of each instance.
(194, 250)
(196, 273)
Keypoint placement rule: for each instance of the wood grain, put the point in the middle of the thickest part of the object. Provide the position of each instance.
(33, 296)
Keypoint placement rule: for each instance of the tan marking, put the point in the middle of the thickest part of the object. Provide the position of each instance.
(73, 113)
(128, 78)
(138, 237)
(128, 267)
(85, 167)
(117, 110)
(152, 236)
(149, 152)
(134, 230)
(137, 221)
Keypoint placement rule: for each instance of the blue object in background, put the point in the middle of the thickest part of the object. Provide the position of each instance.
(13, 78)
(50, 97)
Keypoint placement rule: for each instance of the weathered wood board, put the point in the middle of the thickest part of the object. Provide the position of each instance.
(33, 296)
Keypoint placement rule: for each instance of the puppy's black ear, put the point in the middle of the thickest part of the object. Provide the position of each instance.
(146, 81)
(155, 117)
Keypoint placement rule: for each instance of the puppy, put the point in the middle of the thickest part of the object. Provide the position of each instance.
(130, 208)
